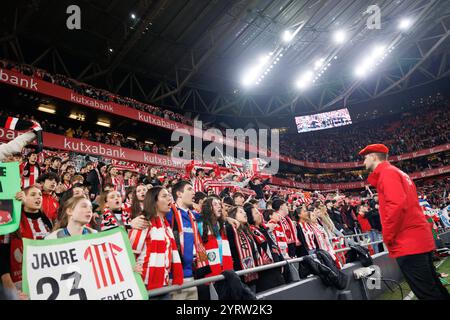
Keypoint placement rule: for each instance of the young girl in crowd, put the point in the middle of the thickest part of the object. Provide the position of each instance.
(243, 248)
(267, 248)
(155, 247)
(212, 230)
(305, 232)
(273, 218)
(76, 213)
(33, 225)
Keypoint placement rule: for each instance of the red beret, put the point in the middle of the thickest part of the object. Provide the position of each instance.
(374, 148)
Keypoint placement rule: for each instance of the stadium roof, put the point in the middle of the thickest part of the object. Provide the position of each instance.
(190, 55)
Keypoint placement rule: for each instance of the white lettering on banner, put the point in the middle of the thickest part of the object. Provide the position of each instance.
(93, 149)
(6, 134)
(91, 103)
(93, 267)
(156, 121)
(30, 84)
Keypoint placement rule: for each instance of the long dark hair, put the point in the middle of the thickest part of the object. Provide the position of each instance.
(208, 218)
(150, 202)
(136, 209)
(244, 227)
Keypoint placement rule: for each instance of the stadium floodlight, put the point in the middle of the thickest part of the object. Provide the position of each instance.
(110, 50)
(318, 63)
(305, 80)
(264, 59)
(287, 36)
(361, 71)
(404, 24)
(133, 16)
(339, 36)
(378, 51)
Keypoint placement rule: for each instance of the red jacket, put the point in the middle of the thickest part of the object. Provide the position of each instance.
(364, 223)
(405, 228)
(50, 206)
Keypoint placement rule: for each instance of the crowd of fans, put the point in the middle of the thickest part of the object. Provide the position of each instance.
(425, 125)
(420, 128)
(92, 92)
(257, 229)
(346, 175)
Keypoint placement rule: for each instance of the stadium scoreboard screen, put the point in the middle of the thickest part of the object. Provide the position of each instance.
(321, 121)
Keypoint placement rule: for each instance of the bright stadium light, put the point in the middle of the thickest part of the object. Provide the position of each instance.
(133, 16)
(318, 63)
(404, 24)
(287, 36)
(360, 71)
(378, 51)
(249, 77)
(339, 36)
(305, 80)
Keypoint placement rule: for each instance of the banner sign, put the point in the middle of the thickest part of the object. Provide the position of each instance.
(10, 208)
(130, 155)
(96, 266)
(34, 84)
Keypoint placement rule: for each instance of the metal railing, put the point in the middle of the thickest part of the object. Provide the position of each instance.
(195, 283)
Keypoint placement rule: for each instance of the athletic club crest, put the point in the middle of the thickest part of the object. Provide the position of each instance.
(211, 256)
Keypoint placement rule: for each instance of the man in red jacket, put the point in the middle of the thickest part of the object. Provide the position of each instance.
(406, 232)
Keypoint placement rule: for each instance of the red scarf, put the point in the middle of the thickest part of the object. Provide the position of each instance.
(309, 235)
(246, 258)
(110, 221)
(37, 228)
(213, 254)
(265, 254)
(281, 238)
(200, 258)
(289, 230)
(156, 250)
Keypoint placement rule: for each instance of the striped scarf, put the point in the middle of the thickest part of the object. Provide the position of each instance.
(263, 245)
(281, 238)
(12, 123)
(289, 230)
(324, 242)
(309, 235)
(215, 246)
(247, 253)
(109, 219)
(29, 174)
(156, 250)
(34, 226)
(201, 259)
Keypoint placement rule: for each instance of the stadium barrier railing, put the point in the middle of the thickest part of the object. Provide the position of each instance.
(165, 290)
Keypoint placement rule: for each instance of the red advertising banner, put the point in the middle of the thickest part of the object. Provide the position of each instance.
(38, 85)
(99, 149)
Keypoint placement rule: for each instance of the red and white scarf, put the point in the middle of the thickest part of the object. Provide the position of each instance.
(324, 242)
(281, 238)
(29, 174)
(32, 226)
(109, 219)
(200, 257)
(289, 230)
(309, 235)
(261, 241)
(156, 250)
(213, 254)
(247, 260)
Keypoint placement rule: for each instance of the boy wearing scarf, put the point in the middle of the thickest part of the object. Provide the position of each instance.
(192, 252)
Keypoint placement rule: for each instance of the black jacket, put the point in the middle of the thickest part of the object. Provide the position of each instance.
(373, 216)
(93, 177)
(326, 269)
(258, 188)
